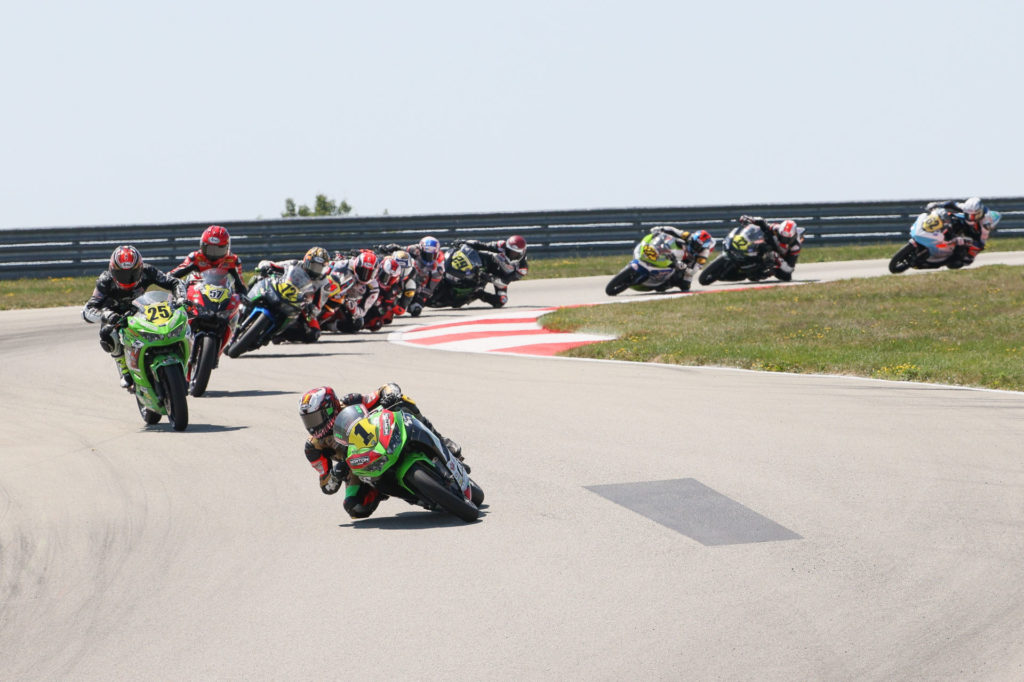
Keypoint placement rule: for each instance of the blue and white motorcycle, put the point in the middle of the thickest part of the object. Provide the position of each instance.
(652, 268)
(933, 243)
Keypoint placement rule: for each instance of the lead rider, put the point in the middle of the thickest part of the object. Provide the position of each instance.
(319, 409)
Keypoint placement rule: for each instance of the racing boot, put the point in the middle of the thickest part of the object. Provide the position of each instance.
(127, 382)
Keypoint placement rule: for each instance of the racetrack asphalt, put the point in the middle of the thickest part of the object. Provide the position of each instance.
(642, 521)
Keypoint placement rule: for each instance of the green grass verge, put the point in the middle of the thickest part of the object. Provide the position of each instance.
(951, 327)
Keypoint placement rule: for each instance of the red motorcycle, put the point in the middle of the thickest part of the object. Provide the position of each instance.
(213, 309)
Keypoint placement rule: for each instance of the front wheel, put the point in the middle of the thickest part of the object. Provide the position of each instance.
(427, 483)
(903, 259)
(619, 282)
(206, 354)
(172, 379)
(713, 271)
(250, 337)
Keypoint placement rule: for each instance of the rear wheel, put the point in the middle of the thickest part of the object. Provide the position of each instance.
(903, 259)
(206, 355)
(427, 483)
(713, 271)
(172, 379)
(250, 338)
(619, 282)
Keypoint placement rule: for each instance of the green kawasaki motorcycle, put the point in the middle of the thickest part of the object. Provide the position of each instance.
(399, 456)
(157, 340)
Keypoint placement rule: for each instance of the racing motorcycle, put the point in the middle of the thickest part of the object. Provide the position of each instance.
(275, 302)
(931, 245)
(156, 339)
(464, 276)
(652, 268)
(213, 315)
(747, 255)
(396, 454)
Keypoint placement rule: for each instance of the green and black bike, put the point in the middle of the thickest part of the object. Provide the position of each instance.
(157, 341)
(399, 456)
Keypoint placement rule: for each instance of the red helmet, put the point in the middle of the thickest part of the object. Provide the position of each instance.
(515, 247)
(126, 266)
(390, 271)
(786, 231)
(318, 409)
(215, 243)
(365, 266)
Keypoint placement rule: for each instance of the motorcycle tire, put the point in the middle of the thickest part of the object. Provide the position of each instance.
(903, 260)
(175, 402)
(206, 352)
(148, 415)
(477, 493)
(427, 483)
(620, 282)
(713, 271)
(249, 339)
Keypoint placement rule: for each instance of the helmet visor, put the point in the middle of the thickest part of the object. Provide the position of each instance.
(214, 251)
(127, 277)
(315, 269)
(316, 423)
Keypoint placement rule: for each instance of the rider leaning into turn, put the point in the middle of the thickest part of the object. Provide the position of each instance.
(690, 250)
(214, 252)
(126, 278)
(977, 224)
(428, 262)
(326, 450)
(505, 262)
(315, 264)
(784, 239)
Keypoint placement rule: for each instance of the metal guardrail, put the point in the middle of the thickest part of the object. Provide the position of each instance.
(74, 251)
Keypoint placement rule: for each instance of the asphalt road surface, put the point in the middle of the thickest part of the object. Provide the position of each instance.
(641, 522)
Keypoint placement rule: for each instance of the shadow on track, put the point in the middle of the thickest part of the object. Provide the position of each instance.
(412, 520)
(252, 393)
(192, 428)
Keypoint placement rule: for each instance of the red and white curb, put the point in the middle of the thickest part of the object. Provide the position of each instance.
(516, 333)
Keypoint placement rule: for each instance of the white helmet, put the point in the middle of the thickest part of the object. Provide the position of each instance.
(974, 209)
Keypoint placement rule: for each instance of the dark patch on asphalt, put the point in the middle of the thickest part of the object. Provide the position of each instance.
(689, 507)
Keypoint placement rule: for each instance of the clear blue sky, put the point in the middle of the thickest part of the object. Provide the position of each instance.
(125, 112)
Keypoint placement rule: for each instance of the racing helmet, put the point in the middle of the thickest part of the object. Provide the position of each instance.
(389, 272)
(702, 240)
(348, 418)
(974, 210)
(318, 408)
(126, 266)
(786, 230)
(364, 266)
(215, 243)
(315, 262)
(514, 247)
(429, 248)
(404, 260)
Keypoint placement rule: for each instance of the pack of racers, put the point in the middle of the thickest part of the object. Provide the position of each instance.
(367, 289)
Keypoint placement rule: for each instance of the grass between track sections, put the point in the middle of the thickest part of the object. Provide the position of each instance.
(951, 327)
